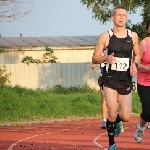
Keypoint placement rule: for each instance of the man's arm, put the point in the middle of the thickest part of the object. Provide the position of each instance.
(100, 46)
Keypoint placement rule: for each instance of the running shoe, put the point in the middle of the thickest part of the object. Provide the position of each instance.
(103, 126)
(122, 128)
(112, 147)
(148, 125)
(118, 129)
(139, 133)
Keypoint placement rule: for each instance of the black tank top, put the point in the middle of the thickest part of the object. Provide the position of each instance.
(122, 48)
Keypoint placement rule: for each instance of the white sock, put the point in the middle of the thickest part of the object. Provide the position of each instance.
(104, 119)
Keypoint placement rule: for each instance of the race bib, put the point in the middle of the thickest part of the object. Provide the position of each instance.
(121, 64)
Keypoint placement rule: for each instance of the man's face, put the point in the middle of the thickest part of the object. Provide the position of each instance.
(120, 17)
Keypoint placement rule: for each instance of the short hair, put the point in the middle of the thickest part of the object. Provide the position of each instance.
(147, 24)
(117, 7)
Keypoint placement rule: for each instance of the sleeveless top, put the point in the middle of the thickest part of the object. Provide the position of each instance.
(143, 78)
(122, 48)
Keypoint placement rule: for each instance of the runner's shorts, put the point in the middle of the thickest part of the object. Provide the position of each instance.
(100, 83)
(121, 86)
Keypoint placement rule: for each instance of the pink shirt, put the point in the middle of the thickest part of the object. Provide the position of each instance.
(143, 78)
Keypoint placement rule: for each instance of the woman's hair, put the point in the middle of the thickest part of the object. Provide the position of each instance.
(147, 24)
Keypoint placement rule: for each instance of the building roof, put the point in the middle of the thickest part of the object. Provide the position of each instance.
(48, 41)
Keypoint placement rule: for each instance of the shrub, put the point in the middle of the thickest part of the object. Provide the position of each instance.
(4, 75)
(48, 57)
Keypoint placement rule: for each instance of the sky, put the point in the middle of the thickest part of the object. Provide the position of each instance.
(57, 18)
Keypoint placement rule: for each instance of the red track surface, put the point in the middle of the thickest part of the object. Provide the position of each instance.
(72, 135)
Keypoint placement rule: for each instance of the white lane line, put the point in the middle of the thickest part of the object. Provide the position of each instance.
(10, 148)
(96, 143)
(101, 146)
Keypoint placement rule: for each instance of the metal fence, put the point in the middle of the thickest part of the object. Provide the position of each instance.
(49, 75)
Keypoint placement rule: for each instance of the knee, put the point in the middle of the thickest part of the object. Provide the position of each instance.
(126, 117)
(112, 116)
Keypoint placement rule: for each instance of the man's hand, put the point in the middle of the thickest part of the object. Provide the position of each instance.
(110, 58)
(133, 69)
(93, 67)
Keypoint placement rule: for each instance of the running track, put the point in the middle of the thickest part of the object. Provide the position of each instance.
(69, 135)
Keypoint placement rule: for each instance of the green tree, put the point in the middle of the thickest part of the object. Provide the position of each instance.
(4, 75)
(48, 57)
(101, 10)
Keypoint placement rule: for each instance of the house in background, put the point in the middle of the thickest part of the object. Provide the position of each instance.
(73, 49)
(74, 56)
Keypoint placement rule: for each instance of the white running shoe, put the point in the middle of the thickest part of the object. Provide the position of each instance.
(139, 133)
(148, 125)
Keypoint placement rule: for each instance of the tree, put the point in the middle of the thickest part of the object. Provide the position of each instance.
(101, 10)
(15, 9)
(48, 57)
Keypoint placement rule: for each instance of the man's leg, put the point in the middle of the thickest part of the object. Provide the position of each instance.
(125, 102)
(112, 105)
(121, 100)
(103, 109)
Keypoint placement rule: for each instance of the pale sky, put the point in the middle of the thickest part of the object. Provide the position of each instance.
(58, 18)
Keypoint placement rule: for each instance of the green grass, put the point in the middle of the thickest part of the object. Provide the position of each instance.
(20, 104)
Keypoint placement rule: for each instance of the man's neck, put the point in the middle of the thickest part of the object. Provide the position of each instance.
(120, 31)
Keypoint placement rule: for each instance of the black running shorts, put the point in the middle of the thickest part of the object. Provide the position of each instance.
(100, 83)
(121, 86)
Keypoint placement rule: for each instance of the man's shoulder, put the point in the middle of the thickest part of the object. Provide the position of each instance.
(107, 32)
(104, 34)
